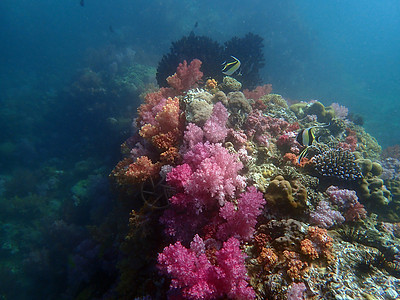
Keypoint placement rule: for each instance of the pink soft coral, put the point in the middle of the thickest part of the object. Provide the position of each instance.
(215, 172)
(192, 135)
(193, 276)
(215, 127)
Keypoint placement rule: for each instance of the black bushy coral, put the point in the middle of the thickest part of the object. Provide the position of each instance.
(247, 49)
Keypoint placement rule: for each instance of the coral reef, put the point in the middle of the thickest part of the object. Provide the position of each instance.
(238, 216)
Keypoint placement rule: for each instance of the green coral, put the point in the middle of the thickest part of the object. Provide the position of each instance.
(369, 168)
(230, 84)
(324, 114)
(374, 192)
(135, 77)
(274, 99)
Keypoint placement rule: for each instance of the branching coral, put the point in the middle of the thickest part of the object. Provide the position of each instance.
(337, 164)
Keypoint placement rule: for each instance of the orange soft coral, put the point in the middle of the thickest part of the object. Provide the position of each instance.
(296, 267)
(267, 257)
(168, 118)
(211, 84)
(321, 241)
(128, 172)
(293, 158)
(165, 130)
(170, 156)
(307, 248)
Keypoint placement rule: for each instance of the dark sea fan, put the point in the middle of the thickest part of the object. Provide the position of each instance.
(247, 49)
(188, 48)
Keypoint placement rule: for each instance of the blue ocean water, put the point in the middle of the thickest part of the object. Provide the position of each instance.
(60, 131)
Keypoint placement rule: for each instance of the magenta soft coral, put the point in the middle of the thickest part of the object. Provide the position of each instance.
(194, 276)
(241, 219)
(206, 180)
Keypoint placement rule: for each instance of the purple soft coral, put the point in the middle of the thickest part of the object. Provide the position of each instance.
(347, 201)
(342, 197)
(325, 216)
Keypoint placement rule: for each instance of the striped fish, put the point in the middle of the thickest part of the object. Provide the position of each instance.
(306, 138)
(231, 67)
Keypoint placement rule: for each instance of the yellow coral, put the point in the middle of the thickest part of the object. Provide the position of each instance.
(211, 84)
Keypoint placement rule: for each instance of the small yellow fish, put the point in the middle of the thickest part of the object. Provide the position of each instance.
(231, 67)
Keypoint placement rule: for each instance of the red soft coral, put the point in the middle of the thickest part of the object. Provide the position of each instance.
(258, 92)
(186, 75)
